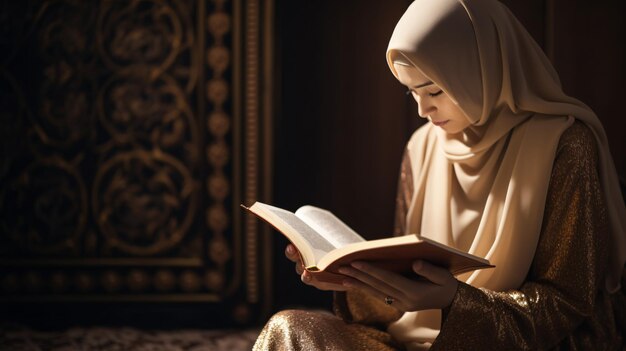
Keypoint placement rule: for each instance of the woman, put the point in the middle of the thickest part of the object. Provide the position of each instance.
(510, 169)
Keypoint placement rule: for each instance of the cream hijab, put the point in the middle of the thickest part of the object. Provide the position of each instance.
(484, 190)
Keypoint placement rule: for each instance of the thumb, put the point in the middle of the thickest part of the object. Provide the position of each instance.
(435, 274)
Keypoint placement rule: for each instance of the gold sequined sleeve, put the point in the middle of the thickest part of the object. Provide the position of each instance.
(404, 194)
(561, 304)
(358, 307)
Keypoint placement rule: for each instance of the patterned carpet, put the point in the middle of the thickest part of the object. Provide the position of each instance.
(18, 338)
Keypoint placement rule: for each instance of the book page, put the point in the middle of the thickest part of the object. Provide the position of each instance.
(329, 226)
(316, 242)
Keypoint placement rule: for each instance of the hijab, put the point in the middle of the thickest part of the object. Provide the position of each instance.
(484, 190)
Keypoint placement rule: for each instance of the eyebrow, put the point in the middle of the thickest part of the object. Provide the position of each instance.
(422, 85)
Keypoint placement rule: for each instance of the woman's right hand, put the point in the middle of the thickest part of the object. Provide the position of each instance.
(307, 278)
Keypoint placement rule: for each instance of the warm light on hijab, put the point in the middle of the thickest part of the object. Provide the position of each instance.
(401, 60)
(484, 190)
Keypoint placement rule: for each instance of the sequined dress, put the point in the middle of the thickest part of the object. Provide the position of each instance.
(561, 305)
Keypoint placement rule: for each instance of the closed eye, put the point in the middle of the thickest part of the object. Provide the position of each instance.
(409, 92)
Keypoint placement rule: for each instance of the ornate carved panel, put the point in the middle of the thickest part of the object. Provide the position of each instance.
(130, 135)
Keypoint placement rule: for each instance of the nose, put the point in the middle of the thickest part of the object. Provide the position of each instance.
(425, 107)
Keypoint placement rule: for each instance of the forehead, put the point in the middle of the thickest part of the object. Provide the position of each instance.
(410, 75)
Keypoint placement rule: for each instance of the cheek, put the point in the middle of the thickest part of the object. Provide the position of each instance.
(456, 115)
(462, 120)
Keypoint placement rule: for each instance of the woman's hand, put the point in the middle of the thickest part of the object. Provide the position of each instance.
(433, 287)
(307, 278)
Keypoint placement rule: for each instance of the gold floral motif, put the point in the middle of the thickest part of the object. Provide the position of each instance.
(50, 202)
(189, 281)
(137, 280)
(150, 113)
(146, 202)
(219, 24)
(218, 186)
(59, 73)
(217, 91)
(218, 57)
(111, 281)
(217, 218)
(116, 150)
(64, 110)
(32, 281)
(63, 34)
(164, 280)
(218, 154)
(84, 282)
(219, 124)
(214, 280)
(59, 282)
(219, 251)
(148, 34)
(135, 42)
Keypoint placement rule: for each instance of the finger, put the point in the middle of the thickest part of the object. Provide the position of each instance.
(306, 277)
(382, 279)
(309, 279)
(292, 253)
(365, 281)
(299, 268)
(433, 273)
(355, 284)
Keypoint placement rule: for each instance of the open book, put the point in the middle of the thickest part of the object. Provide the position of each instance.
(326, 243)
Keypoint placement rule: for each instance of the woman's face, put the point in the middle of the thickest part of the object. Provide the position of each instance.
(433, 103)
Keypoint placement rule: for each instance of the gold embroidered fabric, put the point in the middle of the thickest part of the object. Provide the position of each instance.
(561, 305)
(298, 330)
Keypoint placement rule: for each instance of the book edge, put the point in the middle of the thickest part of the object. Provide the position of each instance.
(329, 258)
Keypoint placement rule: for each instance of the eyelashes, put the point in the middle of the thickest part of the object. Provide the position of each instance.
(409, 92)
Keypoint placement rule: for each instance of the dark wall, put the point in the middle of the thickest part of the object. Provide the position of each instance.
(341, 123)
(590, 56)
(342, 119)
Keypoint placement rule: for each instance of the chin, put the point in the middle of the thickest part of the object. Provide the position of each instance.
(451, 130)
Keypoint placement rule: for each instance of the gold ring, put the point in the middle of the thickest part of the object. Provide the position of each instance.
(389, 300)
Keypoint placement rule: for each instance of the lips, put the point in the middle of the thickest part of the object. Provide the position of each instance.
(440, 123)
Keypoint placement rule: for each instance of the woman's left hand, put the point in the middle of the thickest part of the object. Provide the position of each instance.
(435, 291)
